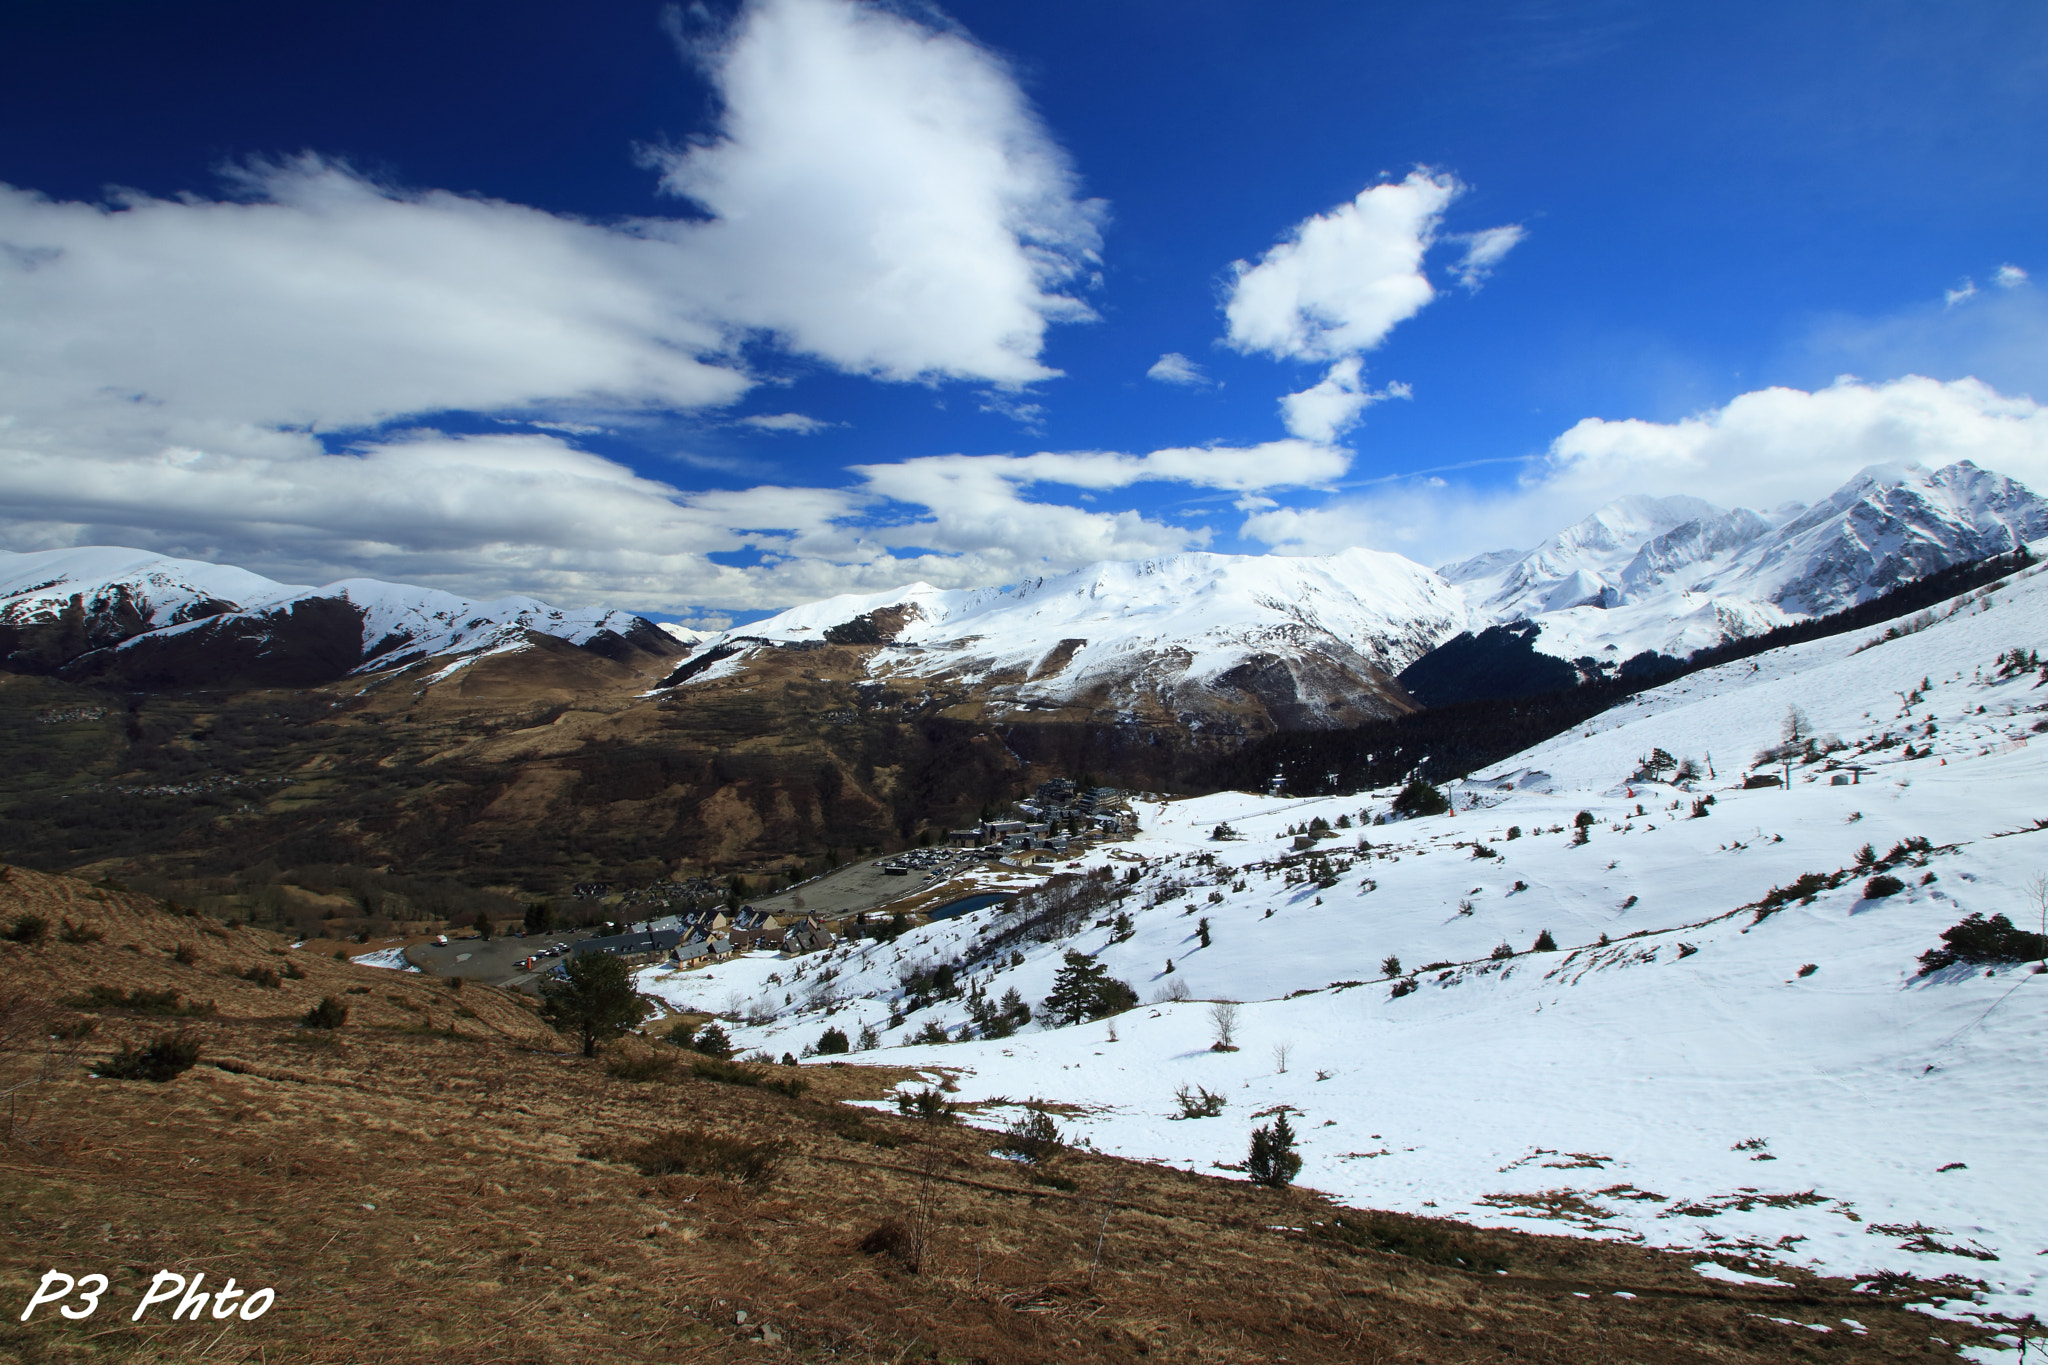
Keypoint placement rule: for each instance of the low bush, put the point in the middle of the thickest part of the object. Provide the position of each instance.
(833, 1041)
(172, 1054)
(1980, 941)
(1420, 798)
(1033, 1137)
(642, 1066)
(894, 1240)
(698, 1151)
(81, 933)
(329, 1013)
(29, 929)
(727, 1072)
(263, 977)
(1882, 885)
(1419, 1239)
(1198, 1103)
(849, 1125)
(927, 1104)
(140, 1002)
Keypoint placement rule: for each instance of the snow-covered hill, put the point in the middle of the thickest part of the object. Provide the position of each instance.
(1682, 1069)
(1313, 640)
(108, 611)
(1673, 575)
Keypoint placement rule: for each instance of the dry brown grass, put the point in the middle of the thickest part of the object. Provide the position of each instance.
(415, 1187)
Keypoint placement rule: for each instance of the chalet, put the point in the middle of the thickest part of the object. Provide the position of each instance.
(805, 936)
(634, 947)
(965, 838)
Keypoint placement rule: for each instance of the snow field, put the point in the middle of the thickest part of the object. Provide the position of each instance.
(1687, 1086)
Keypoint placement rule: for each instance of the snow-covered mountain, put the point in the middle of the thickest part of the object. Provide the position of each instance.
(1673, 575)
(1625, 1034)
(1203, 639)
(104, 611)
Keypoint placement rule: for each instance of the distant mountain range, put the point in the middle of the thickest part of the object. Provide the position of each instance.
(131, 618)
(1205, 645)
(1668, 576)
(1204, 642)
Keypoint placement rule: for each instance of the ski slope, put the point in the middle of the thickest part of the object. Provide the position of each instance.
(1680, 1083)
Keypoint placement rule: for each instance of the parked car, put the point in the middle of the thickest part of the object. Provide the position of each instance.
(440, 940)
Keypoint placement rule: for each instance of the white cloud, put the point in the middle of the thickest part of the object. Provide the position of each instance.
(1340, 281)
(1483, 251)
(786, 421)
(2009, 276)
(883, 196)
(323, 299)
(1761, 449)
(879, 194)
(1175, 368)
(1333, 406)
(1962, 293)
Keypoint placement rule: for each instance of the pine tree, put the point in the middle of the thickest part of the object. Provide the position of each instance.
(1085, 990)
(597, 1001)
(1273, 1161)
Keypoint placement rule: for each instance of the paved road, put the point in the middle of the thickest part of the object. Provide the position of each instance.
(495, 961)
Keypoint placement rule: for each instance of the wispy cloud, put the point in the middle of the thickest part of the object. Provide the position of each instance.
(786, 421)
(1175, 368)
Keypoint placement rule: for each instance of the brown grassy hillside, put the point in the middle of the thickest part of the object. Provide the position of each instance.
(443, 1179)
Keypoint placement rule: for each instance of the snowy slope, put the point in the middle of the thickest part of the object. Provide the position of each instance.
(134, 601)
(162, 591)
(1673, 575)
(1169, 626)
(1682, 1083)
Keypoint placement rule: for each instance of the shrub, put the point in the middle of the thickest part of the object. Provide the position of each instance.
(1544, 943)
(1978, 940)
(1419, 798)
(1034, 1137)
(1443, 1244)
(646, 1066)
(697, 1151)
(927, 1104)
(186, 954)
(711, 1040)
(1390, 965)
(329, 1013)
(141, 1002)
(1405, 986)
(894, 1240)
(81, 933)
(1272, 1160)
(1514, 831)
(1198, 1104)
(263, 977)
(294, 972)
(1501, 952)
(29, 929)
(172, 1054)
(1882, 885)
(833, 1041)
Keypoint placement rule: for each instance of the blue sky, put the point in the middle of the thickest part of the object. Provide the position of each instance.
(485, 296)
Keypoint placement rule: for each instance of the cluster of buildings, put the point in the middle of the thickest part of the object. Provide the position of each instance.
(1056, 817)
(710, 936)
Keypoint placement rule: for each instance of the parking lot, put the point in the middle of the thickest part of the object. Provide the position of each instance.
(493, 961)
(863, 886)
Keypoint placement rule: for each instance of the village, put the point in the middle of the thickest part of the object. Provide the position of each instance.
(862, 900)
